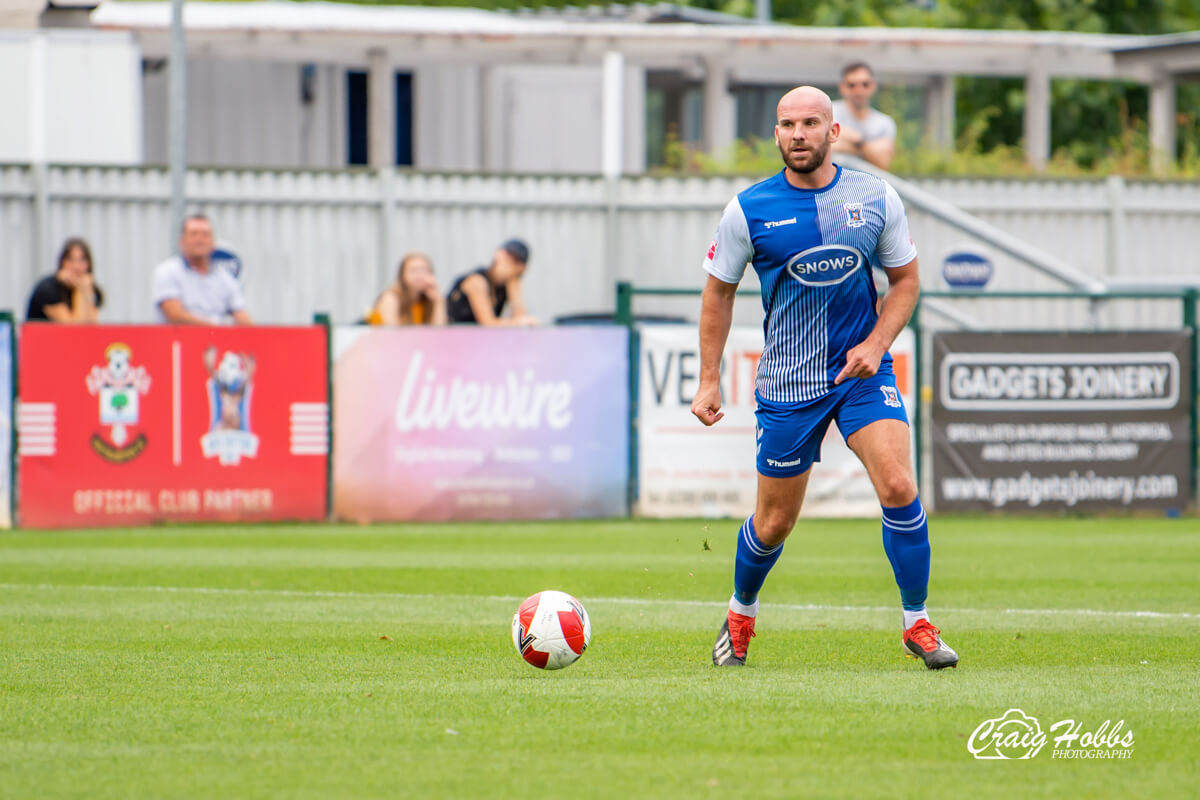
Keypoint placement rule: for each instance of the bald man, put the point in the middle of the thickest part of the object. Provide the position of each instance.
(813, 233)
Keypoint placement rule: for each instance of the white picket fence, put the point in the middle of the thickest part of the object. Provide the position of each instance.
(329, 240)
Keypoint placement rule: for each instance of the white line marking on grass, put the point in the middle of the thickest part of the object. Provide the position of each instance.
(632, 601)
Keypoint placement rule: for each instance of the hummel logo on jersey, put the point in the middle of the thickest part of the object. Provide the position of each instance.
(778, 222)
(854, 215)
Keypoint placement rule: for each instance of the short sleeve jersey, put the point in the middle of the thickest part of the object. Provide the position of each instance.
(877, 125)
(213, 295)
(813, 251)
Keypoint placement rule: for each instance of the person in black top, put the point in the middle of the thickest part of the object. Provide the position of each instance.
(70, 294)
(480, 295)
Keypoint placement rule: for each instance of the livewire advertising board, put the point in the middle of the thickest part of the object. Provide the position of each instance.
(688, 470)
(125, 425)
(6, 377)
(1050, 422)
(466, 423)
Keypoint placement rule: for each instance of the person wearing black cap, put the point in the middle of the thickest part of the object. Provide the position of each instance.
(480, 295)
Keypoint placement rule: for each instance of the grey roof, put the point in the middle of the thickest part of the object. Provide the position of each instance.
(1175, 55)
(1164, 42)
(646, 13)
(343, 33)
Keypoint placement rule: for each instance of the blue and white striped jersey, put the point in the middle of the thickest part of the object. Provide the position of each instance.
(813, 250)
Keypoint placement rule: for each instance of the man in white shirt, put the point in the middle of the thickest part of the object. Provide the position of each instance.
(866, 133)
(189, 289)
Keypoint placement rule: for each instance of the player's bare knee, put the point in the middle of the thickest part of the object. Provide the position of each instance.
(897, 490)
(773, 527)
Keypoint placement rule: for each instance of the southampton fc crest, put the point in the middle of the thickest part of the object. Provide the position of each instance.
(118, 385)
(854, 215)
(230, 387)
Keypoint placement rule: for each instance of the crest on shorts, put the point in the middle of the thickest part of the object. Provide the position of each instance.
(891, 397)
(854, 215)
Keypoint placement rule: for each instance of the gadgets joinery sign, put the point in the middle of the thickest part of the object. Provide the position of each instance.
(1060, 381)
(1061, 421)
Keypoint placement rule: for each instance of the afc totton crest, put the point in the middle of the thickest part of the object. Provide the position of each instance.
(230, 387)
(118, 385)
(854, 214)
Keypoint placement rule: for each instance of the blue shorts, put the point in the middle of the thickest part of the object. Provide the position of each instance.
(789, 435)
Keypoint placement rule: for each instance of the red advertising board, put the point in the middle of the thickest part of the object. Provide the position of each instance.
(125, 425)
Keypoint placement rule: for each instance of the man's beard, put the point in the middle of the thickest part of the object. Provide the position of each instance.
(817, 158)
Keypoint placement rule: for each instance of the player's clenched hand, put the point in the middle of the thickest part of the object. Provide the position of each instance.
(862, 361)
(707, 403)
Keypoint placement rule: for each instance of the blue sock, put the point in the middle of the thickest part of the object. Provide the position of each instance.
(754, 561)
(906, 542)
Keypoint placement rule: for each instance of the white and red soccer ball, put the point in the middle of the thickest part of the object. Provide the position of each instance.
(551, 630)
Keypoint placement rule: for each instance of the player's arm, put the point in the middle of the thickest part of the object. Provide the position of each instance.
(716, 317)
(904, 287)
(898, 256)
(728, 255)
(240, 317)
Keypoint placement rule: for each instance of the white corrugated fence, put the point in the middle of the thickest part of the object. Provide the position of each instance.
(329, 240)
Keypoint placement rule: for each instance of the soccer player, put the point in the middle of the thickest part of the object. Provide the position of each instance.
(813, 233)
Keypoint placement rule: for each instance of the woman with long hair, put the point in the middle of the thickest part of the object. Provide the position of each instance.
(413, 299)
(70, 295)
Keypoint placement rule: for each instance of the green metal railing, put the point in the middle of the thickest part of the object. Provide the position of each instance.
(625, 316)
(1188, 299)
(325, 319)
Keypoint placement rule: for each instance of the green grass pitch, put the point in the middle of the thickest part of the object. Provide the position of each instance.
(342, 661)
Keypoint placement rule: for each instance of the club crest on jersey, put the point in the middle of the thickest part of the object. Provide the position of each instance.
(854, 214)
(890, 397)
(825, 265)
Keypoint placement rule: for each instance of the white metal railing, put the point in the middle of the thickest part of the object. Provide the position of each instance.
(329, 240)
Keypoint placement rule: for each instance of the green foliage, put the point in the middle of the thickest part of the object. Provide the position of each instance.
(1126, 152)
(1083, 124)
